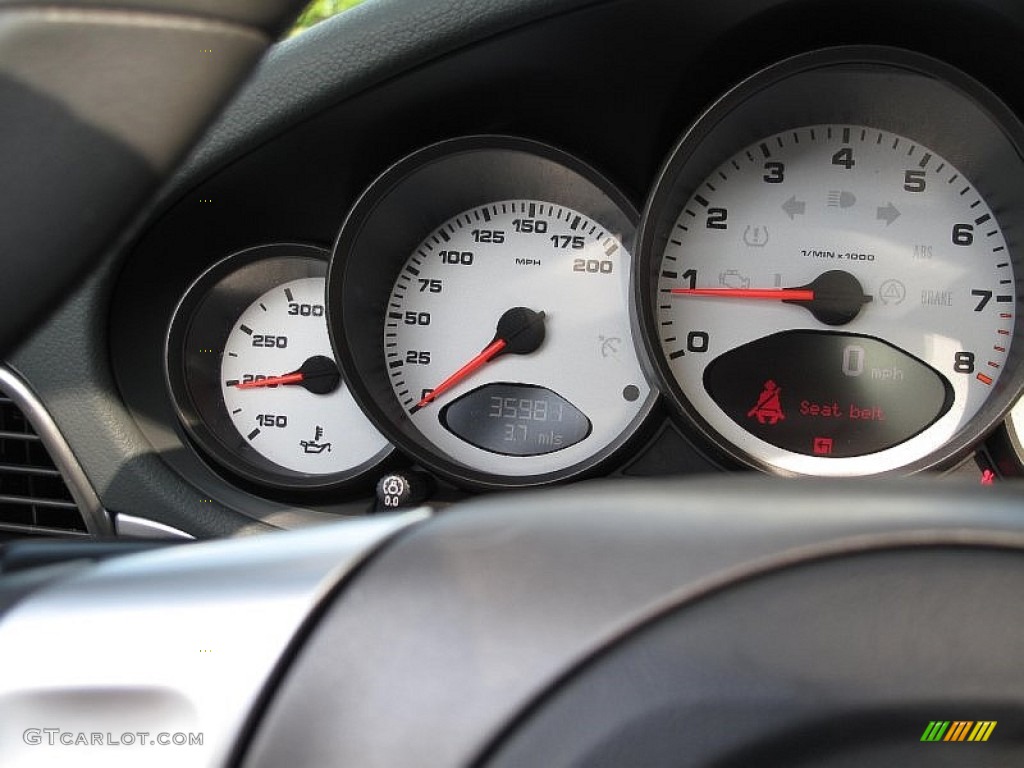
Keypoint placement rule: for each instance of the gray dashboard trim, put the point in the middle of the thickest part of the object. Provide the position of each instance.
(92, 129)
(264, 14)
(181, 640)
(343, 56)
(132, 526)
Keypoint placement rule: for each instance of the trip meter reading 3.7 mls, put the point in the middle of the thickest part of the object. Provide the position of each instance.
(494, 335)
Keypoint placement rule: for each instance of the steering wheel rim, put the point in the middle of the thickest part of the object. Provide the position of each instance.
(470, 638)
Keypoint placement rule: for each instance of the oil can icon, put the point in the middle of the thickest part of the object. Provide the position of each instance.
(314, 445)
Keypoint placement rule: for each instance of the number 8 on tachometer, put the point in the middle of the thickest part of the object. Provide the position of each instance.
(824, 280)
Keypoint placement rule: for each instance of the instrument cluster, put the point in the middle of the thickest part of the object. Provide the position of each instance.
(822, 282)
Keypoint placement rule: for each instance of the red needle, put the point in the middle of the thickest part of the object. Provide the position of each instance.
(834, 298)
(318, 375)
(473, 365)
(520, 332)
(778, 294)
(273, 381)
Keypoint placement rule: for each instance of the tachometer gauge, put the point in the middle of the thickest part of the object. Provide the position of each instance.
(827, 278)
(481, 288)
(250, 367)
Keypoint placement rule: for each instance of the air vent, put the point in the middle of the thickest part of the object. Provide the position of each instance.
(43, 490)
(32, 491)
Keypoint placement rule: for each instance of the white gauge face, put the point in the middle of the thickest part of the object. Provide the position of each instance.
(553, 286)
(902, 316)
(310, 425)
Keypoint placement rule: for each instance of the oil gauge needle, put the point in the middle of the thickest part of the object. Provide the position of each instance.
(834, 297)
(318, 375)
(520, 331)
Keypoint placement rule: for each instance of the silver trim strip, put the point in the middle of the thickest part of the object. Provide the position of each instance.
(182, 640)
(1015, 429)
(131, 526)
(97, 519)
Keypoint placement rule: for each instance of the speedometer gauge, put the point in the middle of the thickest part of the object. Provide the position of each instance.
(827, 281)
(494, 344)
(250, 368)
(488, 379)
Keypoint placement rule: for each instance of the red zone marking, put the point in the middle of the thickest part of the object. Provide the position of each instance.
(987, 380)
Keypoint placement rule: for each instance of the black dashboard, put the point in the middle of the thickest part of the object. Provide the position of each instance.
(822, 206)
(613, 85)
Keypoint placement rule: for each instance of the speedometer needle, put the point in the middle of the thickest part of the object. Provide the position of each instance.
(834, 297)
(520, 331)
(318, 375)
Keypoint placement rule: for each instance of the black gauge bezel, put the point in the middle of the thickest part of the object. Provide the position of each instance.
(884, 88)
(388, 222)
(202, 320)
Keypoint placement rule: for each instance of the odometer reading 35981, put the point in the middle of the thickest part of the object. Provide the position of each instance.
(880, 275)
(507, 339)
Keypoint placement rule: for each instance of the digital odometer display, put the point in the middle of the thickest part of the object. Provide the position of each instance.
(516, 420)
(865, 395)
(522, 291)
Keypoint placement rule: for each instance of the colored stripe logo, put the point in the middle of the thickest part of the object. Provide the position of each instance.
(958, 730)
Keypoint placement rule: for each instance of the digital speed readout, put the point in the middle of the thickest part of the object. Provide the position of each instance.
(516, 420)
(865, 395)
(828, 277)
(738, 269)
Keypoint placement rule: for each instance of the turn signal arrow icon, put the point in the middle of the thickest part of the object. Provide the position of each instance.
(888, 214)
(794, 207)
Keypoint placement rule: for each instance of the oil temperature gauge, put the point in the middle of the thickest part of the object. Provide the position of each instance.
(250, 367)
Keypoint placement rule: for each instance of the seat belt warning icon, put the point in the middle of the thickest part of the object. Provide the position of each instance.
(769, 407)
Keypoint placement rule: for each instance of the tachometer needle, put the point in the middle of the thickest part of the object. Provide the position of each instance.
(520, 331)
(318, 375)
(834, 297)
(778, 294)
